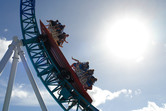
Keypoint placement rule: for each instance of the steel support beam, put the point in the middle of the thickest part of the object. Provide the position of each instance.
(11, 81)
(31, 79)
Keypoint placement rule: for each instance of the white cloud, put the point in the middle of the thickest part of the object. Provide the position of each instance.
(100, 96)
(138, 92)
(152, 107)
(18, 93)
(23, 96)
(4, 46)
(5, 30)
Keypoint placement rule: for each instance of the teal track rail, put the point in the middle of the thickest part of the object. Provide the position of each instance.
(60, 89)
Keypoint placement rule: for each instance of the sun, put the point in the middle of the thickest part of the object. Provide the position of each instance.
(128, 38)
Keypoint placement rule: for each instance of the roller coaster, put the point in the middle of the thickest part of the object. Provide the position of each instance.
(49, 62)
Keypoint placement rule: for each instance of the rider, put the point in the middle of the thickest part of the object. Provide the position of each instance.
(80, 65)
(60, 28)
(89, 72)
(62, 39)
(84, 74)
(56, 29)
(90, 81)
(86, 77)
(52, 28)
(52, 23)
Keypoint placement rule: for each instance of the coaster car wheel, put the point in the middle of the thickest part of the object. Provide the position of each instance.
(66, 74)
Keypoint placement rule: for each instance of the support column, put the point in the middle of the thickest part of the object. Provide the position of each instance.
(11, 81)
(34, 86)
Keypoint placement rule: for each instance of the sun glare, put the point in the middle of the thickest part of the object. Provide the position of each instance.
(128, 38)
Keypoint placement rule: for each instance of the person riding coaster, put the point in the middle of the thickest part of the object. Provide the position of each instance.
(80, 67)
(87, 79)
(84, 74)
(62, 39)
(56, 29)
(90, 81)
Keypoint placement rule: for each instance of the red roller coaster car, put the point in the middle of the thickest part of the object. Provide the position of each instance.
(61, 62)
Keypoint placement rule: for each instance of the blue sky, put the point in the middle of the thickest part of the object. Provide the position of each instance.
(124, 83)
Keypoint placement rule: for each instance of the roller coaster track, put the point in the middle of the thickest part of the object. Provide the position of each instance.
(60, 89)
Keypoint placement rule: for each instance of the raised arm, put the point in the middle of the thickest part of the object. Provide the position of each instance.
(75, 60)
